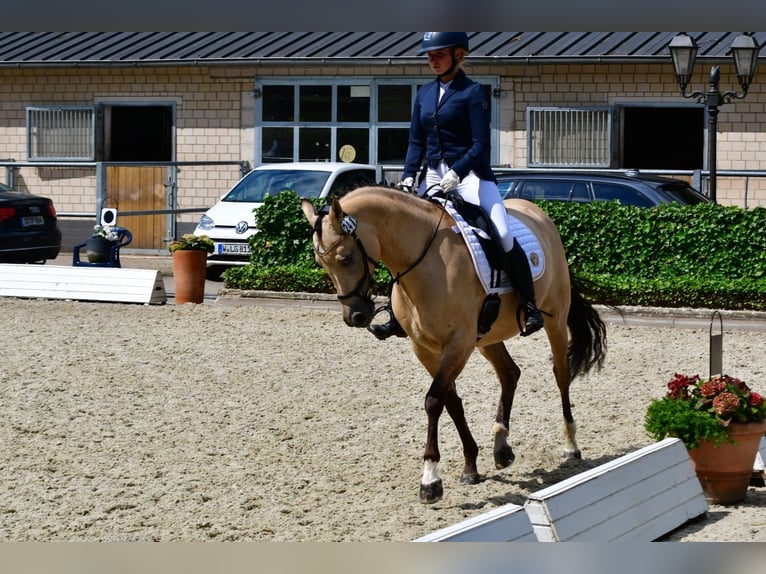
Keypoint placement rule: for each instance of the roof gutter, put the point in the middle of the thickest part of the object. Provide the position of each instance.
(324, 61)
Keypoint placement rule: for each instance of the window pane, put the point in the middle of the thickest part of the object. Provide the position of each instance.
(353, 145)
(315, 103)
(392, 145)
(314, 144)
(621, 193)
(353, 103)
(394, 103)
(278, 103)
(277, 144)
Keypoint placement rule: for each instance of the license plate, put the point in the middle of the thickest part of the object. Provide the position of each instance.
(32, 221)
(233, 249)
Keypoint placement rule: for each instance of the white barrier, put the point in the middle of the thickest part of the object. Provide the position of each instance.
(508, 523)
(637, 497)
(82, 283)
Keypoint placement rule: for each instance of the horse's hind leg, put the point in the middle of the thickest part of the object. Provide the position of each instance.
(508, 373)
(559, 339)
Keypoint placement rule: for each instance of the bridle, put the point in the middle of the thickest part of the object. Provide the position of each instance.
(348, 226)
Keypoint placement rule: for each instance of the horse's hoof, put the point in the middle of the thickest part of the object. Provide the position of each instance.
(470, 479)
(572, 454)
(504, 457)
(430, 493)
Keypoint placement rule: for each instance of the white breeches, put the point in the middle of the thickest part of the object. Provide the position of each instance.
(476, 191)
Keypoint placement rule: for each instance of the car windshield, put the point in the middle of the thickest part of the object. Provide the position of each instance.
(263, 183)
(682, 193)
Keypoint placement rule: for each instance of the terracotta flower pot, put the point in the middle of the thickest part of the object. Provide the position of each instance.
(724, 471)
(189, 266)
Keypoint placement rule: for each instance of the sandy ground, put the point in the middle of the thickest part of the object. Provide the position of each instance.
(124, 422)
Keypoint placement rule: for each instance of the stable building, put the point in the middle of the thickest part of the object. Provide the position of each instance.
(160, 124)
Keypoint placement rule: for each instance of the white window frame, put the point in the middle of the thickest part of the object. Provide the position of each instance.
(373, 124)
(61, 133)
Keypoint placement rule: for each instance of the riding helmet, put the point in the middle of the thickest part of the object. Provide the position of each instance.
(439, 40)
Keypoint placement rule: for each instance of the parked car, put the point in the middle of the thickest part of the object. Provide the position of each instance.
(231, 221)
(29, 231)
(630, 187)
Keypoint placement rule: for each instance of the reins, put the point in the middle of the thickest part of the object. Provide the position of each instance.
(427, 247)
(348, 225)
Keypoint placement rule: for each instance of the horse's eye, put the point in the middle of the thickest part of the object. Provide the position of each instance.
(346, 260)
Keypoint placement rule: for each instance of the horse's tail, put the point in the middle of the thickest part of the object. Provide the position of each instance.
(587, 344)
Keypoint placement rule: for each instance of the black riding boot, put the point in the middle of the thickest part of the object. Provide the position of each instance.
(388, 329)
(520, 274)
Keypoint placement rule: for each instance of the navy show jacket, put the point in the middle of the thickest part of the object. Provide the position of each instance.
(455, 129)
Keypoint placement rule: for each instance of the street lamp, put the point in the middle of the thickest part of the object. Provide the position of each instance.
(683, 51)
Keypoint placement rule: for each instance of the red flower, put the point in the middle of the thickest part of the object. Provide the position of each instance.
(712, 387)
(756, 399)
(725, 404)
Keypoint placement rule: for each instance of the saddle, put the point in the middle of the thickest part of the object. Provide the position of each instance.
(487, 253)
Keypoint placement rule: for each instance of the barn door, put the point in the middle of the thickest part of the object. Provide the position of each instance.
(133, 188)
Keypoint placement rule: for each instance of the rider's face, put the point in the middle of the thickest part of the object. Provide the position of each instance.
(440, 60)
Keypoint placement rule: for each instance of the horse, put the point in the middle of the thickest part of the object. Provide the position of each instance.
(437, 298)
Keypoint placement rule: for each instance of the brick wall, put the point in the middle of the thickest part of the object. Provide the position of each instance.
(215, 115)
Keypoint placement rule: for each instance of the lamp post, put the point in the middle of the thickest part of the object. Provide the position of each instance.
(683, 51)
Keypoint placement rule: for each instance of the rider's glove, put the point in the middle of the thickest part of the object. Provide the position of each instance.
(449, 182)
(407, 184)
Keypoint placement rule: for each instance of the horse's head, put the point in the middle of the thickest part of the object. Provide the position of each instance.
(341, 253)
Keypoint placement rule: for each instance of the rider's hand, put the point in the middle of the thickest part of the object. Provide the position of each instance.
(407, 184)
(449, 182)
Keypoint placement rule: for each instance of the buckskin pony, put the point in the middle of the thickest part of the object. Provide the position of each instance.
(437, 298)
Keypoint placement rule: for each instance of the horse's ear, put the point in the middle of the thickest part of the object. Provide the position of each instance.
(336, 214)
(309, 211)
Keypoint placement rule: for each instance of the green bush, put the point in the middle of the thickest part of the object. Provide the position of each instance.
(705, 255)
(282, 254)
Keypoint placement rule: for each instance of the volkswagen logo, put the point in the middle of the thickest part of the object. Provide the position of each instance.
(241, 227)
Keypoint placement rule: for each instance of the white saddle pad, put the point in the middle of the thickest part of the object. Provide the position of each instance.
(493, 280)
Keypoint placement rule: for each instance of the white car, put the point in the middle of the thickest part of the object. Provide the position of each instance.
(231, 221)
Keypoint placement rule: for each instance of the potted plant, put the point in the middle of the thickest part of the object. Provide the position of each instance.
(189, 266)
(100, 243)
(721, 422)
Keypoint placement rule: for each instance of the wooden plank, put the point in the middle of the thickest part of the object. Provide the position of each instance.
(507, 523)
(82, 283)
(639, 496)
(617, 497)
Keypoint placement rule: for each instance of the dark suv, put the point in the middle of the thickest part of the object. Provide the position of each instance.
(629, 188)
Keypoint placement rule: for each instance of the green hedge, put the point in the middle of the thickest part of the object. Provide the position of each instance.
(705, 255)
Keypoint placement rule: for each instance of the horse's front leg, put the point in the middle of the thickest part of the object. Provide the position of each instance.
(443, 394)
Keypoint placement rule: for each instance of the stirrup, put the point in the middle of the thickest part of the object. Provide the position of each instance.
(533, 321)
(390, 328)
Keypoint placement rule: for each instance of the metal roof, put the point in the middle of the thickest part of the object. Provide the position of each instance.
(29, 49)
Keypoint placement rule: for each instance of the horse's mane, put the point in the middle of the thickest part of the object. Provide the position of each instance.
(398, 196)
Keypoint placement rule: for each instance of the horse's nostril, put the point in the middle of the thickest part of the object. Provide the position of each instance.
(359, 319)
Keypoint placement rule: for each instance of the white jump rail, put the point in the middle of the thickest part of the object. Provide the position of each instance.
(508, 523)
(116, 284)
(759, 468)
(637, 497)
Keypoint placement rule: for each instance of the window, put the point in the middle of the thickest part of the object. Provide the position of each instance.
(362, 120)
(62, 133)
(569, 137)
(623, 194)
